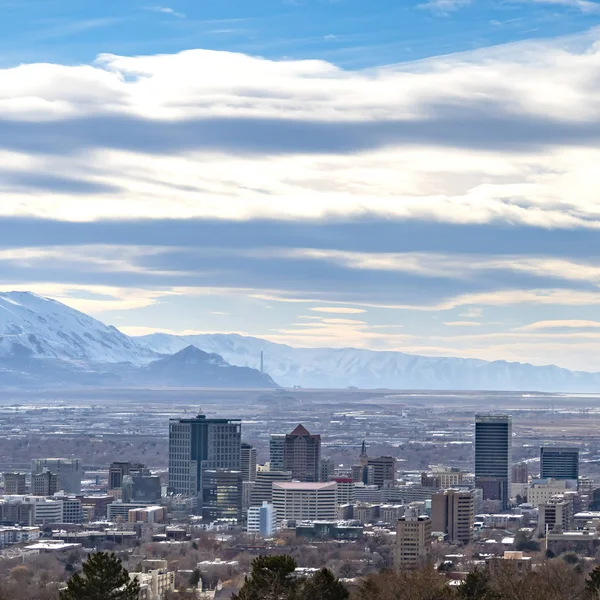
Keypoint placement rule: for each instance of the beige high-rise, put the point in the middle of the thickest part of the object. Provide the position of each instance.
(453, 513)
(413, 540)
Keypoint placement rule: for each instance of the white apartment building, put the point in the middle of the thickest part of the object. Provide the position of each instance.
(304, 501)
(262, 520)
(18, 535)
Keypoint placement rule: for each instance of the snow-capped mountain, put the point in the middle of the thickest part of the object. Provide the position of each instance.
(44, 342)
(34, 326)
(336, 368)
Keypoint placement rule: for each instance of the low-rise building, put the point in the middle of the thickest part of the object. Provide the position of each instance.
(18, 535)
(262, 520)
(156, 581)
(148, 514)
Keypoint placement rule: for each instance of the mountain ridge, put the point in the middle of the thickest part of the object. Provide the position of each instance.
(342, 367)
(43, 341)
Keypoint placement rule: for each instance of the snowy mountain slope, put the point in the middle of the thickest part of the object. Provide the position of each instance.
(329, 367)
(33, 326)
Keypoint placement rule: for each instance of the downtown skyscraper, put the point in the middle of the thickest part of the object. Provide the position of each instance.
(493, 456)
(198, 444)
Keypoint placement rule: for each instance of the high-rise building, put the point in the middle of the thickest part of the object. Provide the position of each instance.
(221, 494)
(413, 540)
(520, 473)
(15, 484)
(248, 458)
(69, 472)
(302, 455)
(493, 452)
(304, 501)
(118, 470)
(263, 486)
(277, 452)
(45, 483)
(384, 469)
(197, 444)
(453, 513)
(559, 462)
(262, 520)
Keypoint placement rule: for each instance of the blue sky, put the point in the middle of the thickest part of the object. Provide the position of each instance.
(350, 33)
(399, 176)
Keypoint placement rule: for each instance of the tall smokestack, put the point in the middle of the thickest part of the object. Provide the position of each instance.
(262, 361)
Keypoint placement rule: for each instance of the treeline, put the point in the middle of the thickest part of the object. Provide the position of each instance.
(103, 577)
(554, 579)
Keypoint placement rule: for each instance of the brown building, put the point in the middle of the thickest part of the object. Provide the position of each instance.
(302, 455)
(413, 541)
(384, 469)
(453, 513)
(44, 484)
(14, 484)
(520, 473)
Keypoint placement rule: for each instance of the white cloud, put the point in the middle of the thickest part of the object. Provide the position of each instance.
(167, 11)
(337, 310)
(443, 7)
(561, 324)
(585, 6)
(451, 161)
(462, 324)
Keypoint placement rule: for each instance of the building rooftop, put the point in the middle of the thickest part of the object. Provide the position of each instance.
(304, 486)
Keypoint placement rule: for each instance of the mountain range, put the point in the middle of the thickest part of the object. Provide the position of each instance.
(46, 343)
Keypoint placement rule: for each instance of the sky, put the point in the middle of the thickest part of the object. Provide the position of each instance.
(420, 176)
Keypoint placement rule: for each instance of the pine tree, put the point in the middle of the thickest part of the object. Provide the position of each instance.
(324, 585)
(103, 578)
(270, 579)
(592, 583)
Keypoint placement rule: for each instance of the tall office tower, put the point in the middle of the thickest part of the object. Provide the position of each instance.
(263, 486)
(493, 451)
(221, 494)
(69, 472)
(559, 462)
(198, 444)
(248, 458)
(118, 470)
(45, 483)
(453, 513)
(384, 469)
(302, 455)
(520, 473)
(277, 452)
(14, 484)
(413, 540)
